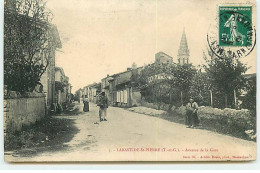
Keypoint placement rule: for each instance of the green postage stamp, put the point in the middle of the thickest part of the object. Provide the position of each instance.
(235, 26)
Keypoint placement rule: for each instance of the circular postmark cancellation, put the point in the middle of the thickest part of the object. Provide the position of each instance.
(233, 35)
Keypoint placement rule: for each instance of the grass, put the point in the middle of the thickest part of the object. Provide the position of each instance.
(71, 110)
(50, 133)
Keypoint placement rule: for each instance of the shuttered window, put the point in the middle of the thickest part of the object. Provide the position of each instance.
(118, 96)
(122, 96)
(125, 96)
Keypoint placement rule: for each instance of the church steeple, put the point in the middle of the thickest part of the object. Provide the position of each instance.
(183, 52)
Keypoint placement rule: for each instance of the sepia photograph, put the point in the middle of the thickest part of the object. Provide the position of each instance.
(129, 80)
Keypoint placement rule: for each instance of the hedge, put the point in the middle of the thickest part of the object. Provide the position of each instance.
(230, 120)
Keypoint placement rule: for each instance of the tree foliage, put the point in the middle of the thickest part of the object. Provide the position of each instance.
(181, 76)
(149, 82)
(200, 88)
(27, 44)
(162, 83)
(60, 86)
(249, 100)
(226, 76)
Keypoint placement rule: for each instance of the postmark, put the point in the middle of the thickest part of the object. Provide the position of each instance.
(234, 34)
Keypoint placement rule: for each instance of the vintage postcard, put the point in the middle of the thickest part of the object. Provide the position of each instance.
(129, 80)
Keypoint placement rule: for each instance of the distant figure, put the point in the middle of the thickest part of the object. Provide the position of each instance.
(234, 34)
(103, 105)
(192, 119)
(86, 103)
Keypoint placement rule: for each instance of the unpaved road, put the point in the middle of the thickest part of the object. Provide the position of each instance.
(129, 136)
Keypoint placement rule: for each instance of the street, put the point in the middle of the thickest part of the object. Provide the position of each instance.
(129, 136)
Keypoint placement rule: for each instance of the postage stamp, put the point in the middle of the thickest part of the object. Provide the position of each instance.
(235, 26)
(234, 33)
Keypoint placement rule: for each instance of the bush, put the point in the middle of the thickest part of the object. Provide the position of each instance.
(59, 109)
(180, 110)
(239, 123)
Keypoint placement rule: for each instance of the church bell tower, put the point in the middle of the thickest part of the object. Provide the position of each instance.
(183, 52)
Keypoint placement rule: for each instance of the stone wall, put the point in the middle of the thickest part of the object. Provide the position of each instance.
(161, 106)
(22, 110)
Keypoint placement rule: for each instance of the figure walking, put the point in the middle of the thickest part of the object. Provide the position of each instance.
(192, 119)
(235, 36)
(103, 105)
(86, 103)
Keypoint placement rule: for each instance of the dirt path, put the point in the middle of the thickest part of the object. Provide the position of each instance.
(130, 136)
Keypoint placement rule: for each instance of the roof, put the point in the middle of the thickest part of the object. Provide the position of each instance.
(94, 85)
(60, 69)
(56, 36)
(163, 53)
(248, 76)
(67, 78)
(183, 49)
(125, 71)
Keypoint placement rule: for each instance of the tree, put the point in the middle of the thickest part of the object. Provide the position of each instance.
(152, 85)
(226, 76)
(167, 83)
(28, 43)
(249, 99)
(180, 78)
(200, 88)
(60, 86)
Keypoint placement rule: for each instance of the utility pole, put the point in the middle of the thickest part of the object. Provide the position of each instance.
(211, 98)
(181, 99)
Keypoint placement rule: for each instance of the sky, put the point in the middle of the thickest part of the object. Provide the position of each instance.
(101, 37)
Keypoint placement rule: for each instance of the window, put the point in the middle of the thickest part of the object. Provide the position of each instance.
(125, 96)
(122, 96)
(118, 96)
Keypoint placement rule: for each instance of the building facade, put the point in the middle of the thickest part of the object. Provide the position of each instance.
(48, 77)
(62, 87)
(162, 58)
(120, 88)
(92, 91)
(105, 86)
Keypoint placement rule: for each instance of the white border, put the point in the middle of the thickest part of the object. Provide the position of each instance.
(255, 165)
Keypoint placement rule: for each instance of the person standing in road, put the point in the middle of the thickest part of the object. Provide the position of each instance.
(103, 105)
(86, 103)
(192, 114)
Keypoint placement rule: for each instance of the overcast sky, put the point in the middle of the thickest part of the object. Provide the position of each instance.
(101, 37)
